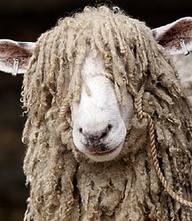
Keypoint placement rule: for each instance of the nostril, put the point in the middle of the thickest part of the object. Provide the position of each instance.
(106, 131)
(109, 127)
(81, 130)
(103, 134)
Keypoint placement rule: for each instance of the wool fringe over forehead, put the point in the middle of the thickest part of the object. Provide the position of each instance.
(64, 184)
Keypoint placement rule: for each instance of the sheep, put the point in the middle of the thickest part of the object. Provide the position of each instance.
(108, 128)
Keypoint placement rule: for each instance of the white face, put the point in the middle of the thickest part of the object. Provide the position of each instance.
(99, 124)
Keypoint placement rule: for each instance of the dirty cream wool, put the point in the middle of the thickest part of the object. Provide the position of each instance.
(64, 184)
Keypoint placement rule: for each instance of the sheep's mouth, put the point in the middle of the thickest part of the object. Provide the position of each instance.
(103, 152)
(103, 155)
(100, 150)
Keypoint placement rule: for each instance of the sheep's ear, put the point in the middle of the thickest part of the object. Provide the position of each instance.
(175, 37)
(14, 56)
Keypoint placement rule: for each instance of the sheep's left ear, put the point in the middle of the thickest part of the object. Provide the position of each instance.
(175, 37)
(14, 56)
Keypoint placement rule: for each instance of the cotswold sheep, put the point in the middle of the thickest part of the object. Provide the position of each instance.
(109, 133)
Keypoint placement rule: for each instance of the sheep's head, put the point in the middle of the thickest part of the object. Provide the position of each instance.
(104, 62)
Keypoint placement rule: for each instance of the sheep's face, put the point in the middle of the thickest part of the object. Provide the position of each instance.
(99, 122)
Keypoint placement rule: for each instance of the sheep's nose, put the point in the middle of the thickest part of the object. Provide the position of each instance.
(95, 140)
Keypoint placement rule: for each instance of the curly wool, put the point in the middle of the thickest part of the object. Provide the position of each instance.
(183, 65)
(64, 184)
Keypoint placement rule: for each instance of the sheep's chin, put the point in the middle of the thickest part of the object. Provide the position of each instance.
(104, 156)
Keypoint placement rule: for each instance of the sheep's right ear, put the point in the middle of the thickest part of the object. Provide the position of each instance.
(175, 37)
(14, 56)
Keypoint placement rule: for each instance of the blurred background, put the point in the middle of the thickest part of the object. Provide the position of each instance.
(23, 20)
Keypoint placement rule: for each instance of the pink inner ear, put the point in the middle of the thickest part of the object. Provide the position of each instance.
(171, 38)
(174, 35)
(13, 49)
(14, 56)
